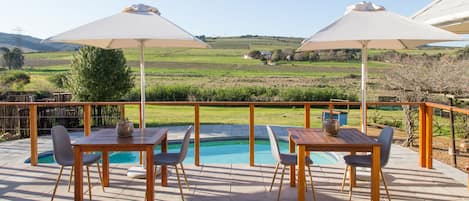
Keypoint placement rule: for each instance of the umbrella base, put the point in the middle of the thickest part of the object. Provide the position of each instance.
(139, 172)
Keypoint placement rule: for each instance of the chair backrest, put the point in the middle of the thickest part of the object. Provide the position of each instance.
(185, 144)
(63, 150)
(385, 138)
(273, 144)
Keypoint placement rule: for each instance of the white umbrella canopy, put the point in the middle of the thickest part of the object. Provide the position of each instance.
(452, 15)
(366, 25)
(137, 26)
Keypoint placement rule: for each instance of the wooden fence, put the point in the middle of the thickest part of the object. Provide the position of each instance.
(425, 120)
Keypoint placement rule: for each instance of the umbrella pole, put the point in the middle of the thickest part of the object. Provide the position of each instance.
(140, 171)
(363, 85)
(142, 84)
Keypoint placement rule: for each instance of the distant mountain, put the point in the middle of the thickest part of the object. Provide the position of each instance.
(32, 44)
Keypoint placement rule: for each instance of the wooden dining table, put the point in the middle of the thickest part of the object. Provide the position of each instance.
(348, 140)
(106, 140)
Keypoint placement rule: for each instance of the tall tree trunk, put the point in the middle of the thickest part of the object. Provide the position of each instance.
(409, 126)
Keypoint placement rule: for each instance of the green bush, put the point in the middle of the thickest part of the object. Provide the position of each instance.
(59, 79)
(189, 93)
(315, 94)
(12, 58)
(255, 54)
(393, 123)
(16, 77)
(15, 80)
(99, 75)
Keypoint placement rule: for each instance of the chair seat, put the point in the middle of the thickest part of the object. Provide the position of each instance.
(88, 159)
(291, 159)
(166, 159)
(358, 160)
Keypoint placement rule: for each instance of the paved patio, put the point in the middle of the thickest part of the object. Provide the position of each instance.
(19, 181)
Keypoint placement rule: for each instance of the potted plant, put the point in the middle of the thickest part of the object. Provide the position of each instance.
(124, 128)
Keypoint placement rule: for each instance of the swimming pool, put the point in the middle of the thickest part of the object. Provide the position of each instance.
(216, 152)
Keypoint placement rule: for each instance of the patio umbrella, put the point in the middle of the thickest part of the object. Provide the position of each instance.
(366, 25)
(137, 26)
(452, 15)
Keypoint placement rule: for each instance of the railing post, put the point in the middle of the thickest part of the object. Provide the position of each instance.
(251, 134)
(33, 133)
(122, 111)
(87, 119)
(422, 135)
(307, 122)
(197, 135)
(428, 137)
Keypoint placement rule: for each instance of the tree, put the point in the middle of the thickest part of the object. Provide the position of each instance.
(3, 50)
(15, 79)
(287, 52)
(59, 79)
(313, 56)
(13, 59)
(99, 75)
(276, 55)
(202, 38)
(301, 56)
(255, 54)
(417, 79)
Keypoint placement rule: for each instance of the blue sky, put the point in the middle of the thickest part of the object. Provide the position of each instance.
(299, 18)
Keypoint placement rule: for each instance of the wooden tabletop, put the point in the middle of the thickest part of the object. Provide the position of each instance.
(149, 136)
(347, 138)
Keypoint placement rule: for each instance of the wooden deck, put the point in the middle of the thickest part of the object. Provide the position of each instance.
(407, 181)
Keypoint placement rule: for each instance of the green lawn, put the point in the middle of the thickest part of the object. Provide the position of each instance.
(201, 56)
(287, 116)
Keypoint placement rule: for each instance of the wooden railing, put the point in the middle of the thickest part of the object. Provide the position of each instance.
(425, 120)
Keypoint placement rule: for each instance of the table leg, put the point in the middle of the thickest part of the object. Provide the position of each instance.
(78, 163)
(150, 174)
(301, 172)
(375, 167)
(105, 158)
(353, 174)
(292, 167)
(164, 169)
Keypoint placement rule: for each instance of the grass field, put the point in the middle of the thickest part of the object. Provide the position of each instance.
(282, 116)
(293, 116)
(223, 65)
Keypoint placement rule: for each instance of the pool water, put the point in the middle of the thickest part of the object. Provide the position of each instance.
(217, 152)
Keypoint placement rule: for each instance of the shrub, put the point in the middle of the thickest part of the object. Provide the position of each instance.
(13, 59)
(255, 54)
(59, 79)
(277, 55)
(301, 56)
(315, 94)
(314, 56)
(258, 93)
(16, 77)
(99, 75)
